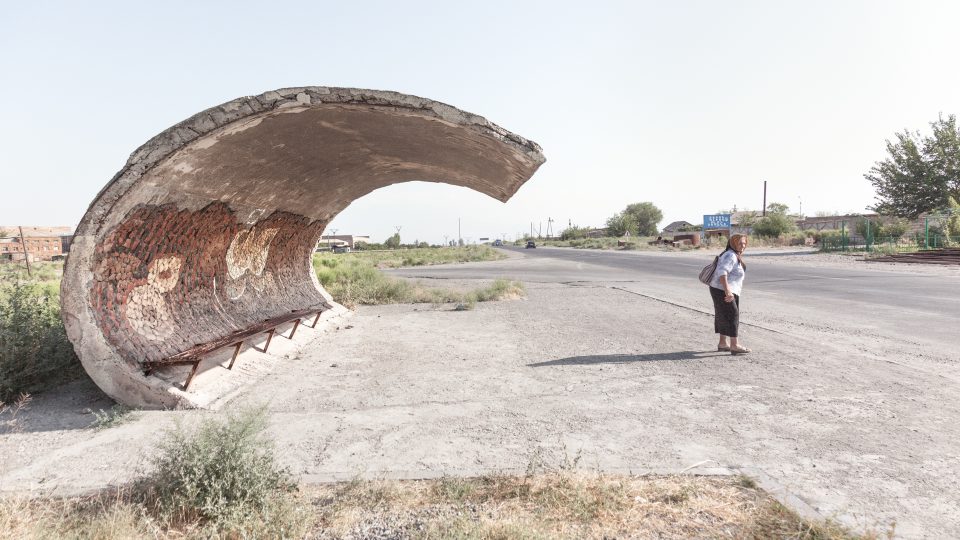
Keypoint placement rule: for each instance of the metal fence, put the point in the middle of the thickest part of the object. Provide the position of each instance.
(889, 244)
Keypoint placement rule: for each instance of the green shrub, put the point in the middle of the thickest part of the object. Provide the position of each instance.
(222, 474)
(34, 350)
(353, 280)
(574, 233)
(773, 225)
(45, 273)
(112, 417)
(896, 228)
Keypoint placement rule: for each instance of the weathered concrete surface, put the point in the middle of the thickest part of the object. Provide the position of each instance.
(209, 227)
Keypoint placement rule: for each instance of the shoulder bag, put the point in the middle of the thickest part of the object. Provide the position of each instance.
(707, 273)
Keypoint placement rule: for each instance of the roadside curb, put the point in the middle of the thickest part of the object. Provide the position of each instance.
(779, 492)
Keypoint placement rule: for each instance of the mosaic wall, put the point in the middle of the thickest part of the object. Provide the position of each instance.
(167, 279)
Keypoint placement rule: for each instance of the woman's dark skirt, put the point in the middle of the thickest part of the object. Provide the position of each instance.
(726, 317)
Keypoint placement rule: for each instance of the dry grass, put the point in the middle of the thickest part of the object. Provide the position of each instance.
(9, 414)
(97, 517)
(562, 504)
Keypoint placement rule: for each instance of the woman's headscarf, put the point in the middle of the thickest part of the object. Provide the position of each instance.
(733, 249)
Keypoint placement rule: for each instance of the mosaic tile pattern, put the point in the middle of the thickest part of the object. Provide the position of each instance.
(167, 279)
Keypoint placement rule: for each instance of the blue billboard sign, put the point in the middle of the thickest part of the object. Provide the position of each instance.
(716, 221)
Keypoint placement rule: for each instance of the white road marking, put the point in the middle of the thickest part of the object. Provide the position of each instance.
(824, 277)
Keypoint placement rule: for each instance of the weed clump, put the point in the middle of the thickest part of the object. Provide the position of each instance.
(112, 417)
(222, 474)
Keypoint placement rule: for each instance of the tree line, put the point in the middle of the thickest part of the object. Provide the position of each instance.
(921, 175)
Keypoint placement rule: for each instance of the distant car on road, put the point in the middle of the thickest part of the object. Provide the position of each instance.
(531, 244)
(341, 249)
(498, 242)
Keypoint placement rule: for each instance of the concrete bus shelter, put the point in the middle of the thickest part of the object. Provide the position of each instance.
(204, 238)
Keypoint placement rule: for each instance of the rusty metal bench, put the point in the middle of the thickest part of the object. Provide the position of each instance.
(194, 355)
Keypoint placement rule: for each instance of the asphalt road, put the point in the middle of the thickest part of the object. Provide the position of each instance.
(909, 305)
(931, 294)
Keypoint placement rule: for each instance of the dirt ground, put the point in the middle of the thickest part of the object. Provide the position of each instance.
(861, 426)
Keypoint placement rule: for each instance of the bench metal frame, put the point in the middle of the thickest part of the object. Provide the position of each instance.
(195, 354)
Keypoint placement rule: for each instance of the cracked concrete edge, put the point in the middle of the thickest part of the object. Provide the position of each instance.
(346, 476)
(779, 493)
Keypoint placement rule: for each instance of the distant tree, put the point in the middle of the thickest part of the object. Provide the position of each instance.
(895, 228)
(393, 242)
(748, 218)
(4, 233)
(574, 233)
(638, 219)
(777, 208)
(646, 215)
(876, 227)
(620, 224)
(460, 242)
(775, 223)
(921, 173)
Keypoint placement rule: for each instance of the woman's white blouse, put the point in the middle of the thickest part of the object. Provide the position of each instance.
(729, 266)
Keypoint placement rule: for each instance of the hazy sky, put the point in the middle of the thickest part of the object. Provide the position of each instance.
(690, 105)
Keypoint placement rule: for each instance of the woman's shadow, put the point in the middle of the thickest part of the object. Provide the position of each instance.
(628, 358)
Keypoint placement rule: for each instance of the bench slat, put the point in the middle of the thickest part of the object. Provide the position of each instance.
(194, 353)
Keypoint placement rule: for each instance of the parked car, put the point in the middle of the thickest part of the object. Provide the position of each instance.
(531, 244)
(341, 249)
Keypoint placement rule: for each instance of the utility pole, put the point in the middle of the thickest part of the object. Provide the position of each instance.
(549, 227)
(26, 254)
(801, 206)
(459, 235)
(764, 198)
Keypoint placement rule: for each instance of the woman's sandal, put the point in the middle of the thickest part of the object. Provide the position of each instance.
(739, 350)
(721, 348)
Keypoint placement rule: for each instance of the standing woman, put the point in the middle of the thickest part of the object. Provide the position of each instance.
(725, 287)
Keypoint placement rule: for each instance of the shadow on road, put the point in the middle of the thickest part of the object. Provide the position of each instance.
(627, 358)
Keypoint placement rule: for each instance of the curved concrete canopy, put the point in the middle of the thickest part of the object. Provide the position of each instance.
(210, 226)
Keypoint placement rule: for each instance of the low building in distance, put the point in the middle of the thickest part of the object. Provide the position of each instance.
(37, 243)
